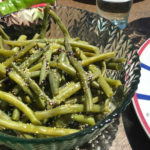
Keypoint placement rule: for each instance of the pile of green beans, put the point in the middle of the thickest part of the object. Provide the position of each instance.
(54, 87)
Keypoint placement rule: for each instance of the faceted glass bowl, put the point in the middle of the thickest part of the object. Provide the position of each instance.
(97, 31)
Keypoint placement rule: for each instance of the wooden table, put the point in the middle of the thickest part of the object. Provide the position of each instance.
(140, 9)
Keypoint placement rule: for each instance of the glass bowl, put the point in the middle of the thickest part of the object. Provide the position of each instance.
(97, 31)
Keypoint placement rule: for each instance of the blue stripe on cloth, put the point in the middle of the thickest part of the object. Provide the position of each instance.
(145, 66)
(143, 97)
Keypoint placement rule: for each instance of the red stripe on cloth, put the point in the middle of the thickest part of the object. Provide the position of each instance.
(142, 118)
(143, 47)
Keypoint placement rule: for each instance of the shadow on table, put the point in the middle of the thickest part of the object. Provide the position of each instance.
(139, 32)
(4, 148)
(135, 1)
(92, 2)
(134, 131)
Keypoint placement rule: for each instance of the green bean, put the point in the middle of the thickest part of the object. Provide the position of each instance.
(67, 62)
(88, 54)
(94, 68)
(97, 72)
(22, 38)
(83, 119)
(24, 51)
(40, 61)
(97, 58)
(16, 115)
(16, 90)
(112, 82)
(3, 115)
(34, 74)
(60, 23)
(101, 80)
(35, 67)
(18, 79)
(4, 35)
(66, 68)
(1, 42)
(80, 53)
(82, 76)
(61, 122)
(19, 54)
(54, 80)
(84, 42)
(41, 45)
(65, 109)
(3, 80)
(62, 66)
(70, 90)
(21, 106)
(71, 101)
(2, 70)
(95, 99)
(94, 75)
(56, 47)
(37, 41)
(105, 86)
(18, 43)
(114, 66)
(75, 63)
(27, 99)
(72, 42)
(34, 57)
(27, 136)
(108, 106)
(45, 22)
(42, 97)
(8, 61)
(62, 57)
(83, 57)
(6, 53)
(95, 84)
(30, 128)
(15, 77)
(118, 60)
(73, 67)
(83, 46)
(103, 68)
(81, 99)
(36, 36)
(66, 86)
(45, 65)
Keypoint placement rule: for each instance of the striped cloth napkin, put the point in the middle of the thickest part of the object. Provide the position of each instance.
(141, 98)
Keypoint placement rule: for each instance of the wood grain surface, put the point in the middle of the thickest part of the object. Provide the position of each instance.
(140, 9)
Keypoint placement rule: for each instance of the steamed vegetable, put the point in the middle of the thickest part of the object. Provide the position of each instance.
(54, 87)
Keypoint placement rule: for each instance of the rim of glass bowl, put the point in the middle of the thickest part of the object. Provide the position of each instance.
(88, 130)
